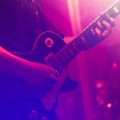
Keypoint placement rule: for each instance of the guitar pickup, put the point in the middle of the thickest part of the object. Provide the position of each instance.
(52, 61)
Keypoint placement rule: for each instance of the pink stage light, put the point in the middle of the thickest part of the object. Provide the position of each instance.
(74, 14)
(100, 100)
(114, 65)
(75, 19)
(100, 84)
(109, 105)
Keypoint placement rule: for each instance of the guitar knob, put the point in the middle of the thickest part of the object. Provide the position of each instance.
(49, 42)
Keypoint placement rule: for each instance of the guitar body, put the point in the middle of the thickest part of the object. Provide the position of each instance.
(45, 44)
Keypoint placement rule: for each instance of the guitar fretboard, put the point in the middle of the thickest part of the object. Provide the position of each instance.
(87, 38)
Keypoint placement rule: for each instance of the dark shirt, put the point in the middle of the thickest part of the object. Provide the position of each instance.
(19, 27)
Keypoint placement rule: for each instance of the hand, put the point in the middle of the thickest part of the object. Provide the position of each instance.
(107, 31)
(41, 78)
(38, 77)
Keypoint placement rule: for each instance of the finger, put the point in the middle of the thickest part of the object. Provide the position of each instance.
(53, 71)
(99, 25)
(98, 32)
(110, 20)
(106, 24)
(54, 78)
(108, 29)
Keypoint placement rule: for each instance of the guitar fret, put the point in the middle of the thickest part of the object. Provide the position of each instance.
(72, 48)
(79, 41)
(61, 58)
(116, 9)
(76, 46)
(66, 54)
(69, 53)
(85, 39)
(88, 38)
(118, 5)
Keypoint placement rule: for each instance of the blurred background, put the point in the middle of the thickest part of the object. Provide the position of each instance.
(97, 70)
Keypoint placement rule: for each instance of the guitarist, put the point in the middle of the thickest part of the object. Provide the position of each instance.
(35, 75)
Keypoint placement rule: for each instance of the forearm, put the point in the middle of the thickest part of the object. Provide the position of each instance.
(39, 77)
(11, 64)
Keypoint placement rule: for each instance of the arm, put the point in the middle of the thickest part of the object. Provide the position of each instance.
(10, 63)
(35, 74)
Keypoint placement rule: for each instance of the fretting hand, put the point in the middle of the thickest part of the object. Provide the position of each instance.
(107, 28)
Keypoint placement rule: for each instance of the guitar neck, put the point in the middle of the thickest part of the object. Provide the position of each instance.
(86, 39)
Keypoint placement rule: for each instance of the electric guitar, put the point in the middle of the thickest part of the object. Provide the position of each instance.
(50, 49)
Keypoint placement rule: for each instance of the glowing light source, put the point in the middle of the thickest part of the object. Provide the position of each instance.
(109, 105)
(100, 84)
(114, 65)
(74, 13)
(99, 100)
(33, 1)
